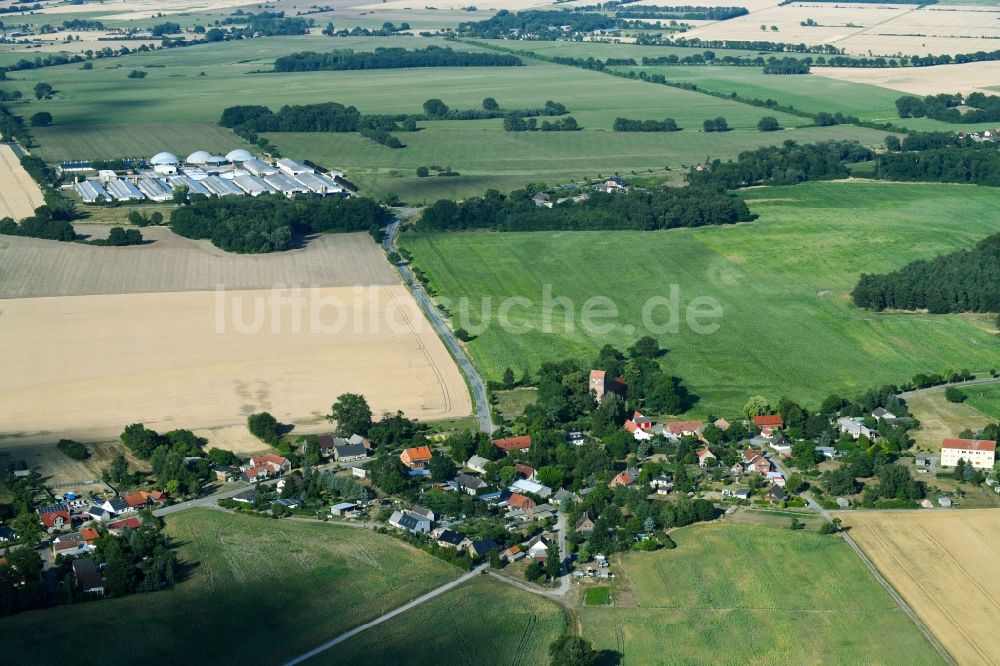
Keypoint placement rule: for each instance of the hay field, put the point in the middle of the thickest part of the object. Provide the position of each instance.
(33, 267)
(965, 78)
(945, 564)
(866, 29)
(85, 366)
(19, 193)
(235, 438)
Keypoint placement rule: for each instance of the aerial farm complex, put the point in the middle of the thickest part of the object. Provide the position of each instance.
(239, 173)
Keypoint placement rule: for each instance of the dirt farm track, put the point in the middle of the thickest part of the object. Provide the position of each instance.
(946, 564)
(95, 340)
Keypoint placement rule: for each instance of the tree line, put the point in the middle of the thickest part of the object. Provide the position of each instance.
(627, 125)
(787, 164)
(647, 210)
(390, 58)
(682, 12)
(963, 281)
(944, 107)
(516, 123)
(786, 66)
(967, 162)
(269, 223)
(536, 22)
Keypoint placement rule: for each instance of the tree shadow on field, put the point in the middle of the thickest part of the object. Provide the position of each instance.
(609, 658)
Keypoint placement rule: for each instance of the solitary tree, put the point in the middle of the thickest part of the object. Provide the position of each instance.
(41, 119)
(180, 194)
(490, 104)
(435, 108)
(352, 414)
(756, 406)
(572, 651)
(768, 124)
(43, 90)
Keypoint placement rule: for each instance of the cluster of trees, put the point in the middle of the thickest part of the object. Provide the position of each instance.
(435, 109)
(784, 165)
(166, 28)
(72, 449)
(323, 117)
(963, 281)
(965, 163)
(786, 66)
(627, 125)
(140, 219)
(390, 58)
(756, 45)
(646, 210)
(264, 427)
(515, 123)
(266, 24)
(388, 29)
(682, 12)
(544, 24)
(269, 223)
(716, 125)
(137, 74)
(119, 237)
(166, 455)
(43, 224)
(21, 585)
(140, 560)
(944, 107)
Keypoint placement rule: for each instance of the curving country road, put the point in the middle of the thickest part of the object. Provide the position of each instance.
(479, 399)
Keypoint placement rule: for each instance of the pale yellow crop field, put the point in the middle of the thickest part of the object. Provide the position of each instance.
(964, 78)
(19, 193)
(946, 564)
(83, 367)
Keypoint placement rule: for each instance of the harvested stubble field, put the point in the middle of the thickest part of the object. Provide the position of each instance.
(59, 471)
(252, 591)
(945, 565)
(805, 598)
(236, 438)
(30, 267)
(964, 78)
(19, 193)
(482, 622)
(203, 346)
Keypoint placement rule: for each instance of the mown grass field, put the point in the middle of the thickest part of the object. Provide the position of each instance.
(258, 591)
(102, 113)
(985, 399)
(483, 622)
(788, 327)
(736, 594)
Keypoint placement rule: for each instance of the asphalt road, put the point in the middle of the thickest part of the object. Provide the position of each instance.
(481, 403)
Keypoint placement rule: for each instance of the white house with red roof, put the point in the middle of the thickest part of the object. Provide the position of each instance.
(638, 433)
(768, 423)
(705, 457)
(980, 453)
(262, 467)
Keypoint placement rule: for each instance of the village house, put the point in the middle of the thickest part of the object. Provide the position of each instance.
(525, 486)
(469, 484)
(686, 428)
(262, 467)
(705, 457)
(737, 493)
(448, 539)
(760, 464)
(776, 478)
(663, 484)
(344, 509)
(416, 457)
(88, 577)
(776, 494)
(768, 424)
(585, 525)
(525, 472)
(854, 427)
(55, 517)
(521, 503)
(721, 424)
(116, 506)
(882, 414)
(345, 451)
(538, 548)
(477, 464)
(225, 474)
(562, 496)
(508, 444)
(576, 438)
(637, 433)
(481, 548)
(424, 512)
(624, 478)
(512, 554)
(979, 453)
(410, 522)
(119, 526)
(600, 385)
(781, 445)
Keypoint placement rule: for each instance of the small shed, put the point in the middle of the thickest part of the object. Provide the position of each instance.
(344, 509)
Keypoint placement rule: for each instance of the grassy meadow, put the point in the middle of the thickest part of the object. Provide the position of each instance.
(985, 399)
(736, 594)
(485, 622)
(102, 113)
(288, 585)
(788, 327)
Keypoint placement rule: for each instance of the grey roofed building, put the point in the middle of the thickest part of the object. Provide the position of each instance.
(477, 464)
(98, 514)
(412, 522)
(90, 191)
(450, 538)
(194, 187)
(348, 452)
(286, 185)
(259, 168)
(6, 533)
(292, 167)
(88, 576)
(239, 155)
(776, 493)
(164, 158)
(469, 484)
(423, 512)
(563, 495)
(252, 185)
(248, 496)
(154, 189)
(481, 547)
(116, 505)
(122, 190)
(319, 184)
(220, 186)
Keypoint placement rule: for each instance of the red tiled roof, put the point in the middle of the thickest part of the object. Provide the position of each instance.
(140, 498)
(270, 458)
(630, 426)
(772, 420)
(418, 453)
(679, 427)
(49, 519)
(89, 534)
(520, 501)
(622, 479)
(705, 451)
(513, 443)
(122, 524)
(969, 444)
(526, 470)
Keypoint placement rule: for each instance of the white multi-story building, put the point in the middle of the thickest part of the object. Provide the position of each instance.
(980, 453)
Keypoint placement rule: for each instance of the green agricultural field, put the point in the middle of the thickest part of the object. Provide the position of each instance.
(737, 594)
(483, 622)
(985, 399)
(782, 282)
(101, 113)
(257, 591)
